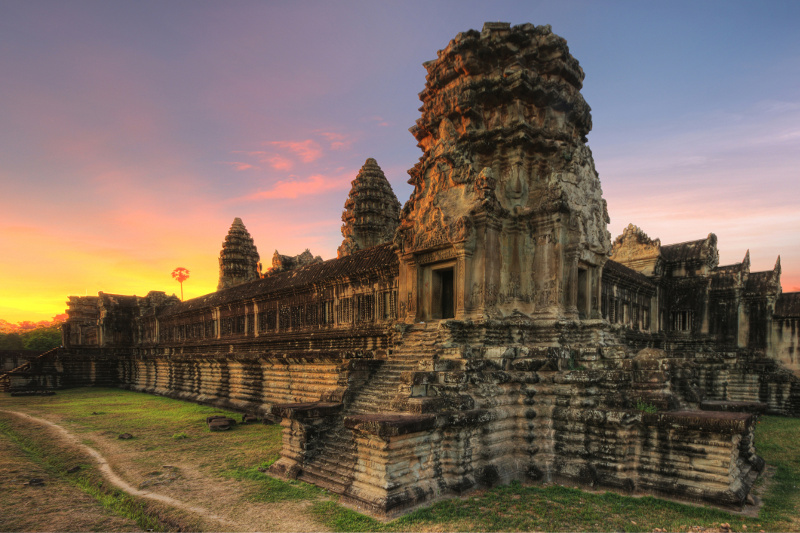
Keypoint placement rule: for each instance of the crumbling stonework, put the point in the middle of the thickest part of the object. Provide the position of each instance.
(494, 338)
(371, 212)
(506, 191)
(284, 263)
(238, 260)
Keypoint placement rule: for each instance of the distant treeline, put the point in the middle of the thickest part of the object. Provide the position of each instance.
(39, 336)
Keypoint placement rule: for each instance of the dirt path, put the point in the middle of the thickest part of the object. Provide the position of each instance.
(35, 500)
(240, 516)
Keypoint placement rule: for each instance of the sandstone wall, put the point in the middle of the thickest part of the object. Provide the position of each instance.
(491, 402)
(11, 359)
(244, 383)
(786, 342)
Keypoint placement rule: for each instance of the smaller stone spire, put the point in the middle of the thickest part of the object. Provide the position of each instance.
(238, 260)
(371, 212)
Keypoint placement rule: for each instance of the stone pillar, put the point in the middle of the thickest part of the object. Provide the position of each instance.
(255, 319)
(742, 323)
(407, 289)
(596, 292)
(570, 273)
(463, 281)
(217, 322)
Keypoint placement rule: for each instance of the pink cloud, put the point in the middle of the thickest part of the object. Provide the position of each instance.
(338, 141)
(308, 150)
(380, 120)
(289, 189)
(239, 165)
(279, 162)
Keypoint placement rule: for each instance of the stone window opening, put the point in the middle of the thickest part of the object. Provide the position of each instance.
(682, 320)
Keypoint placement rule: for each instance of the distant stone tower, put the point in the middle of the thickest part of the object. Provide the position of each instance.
(238, 260)
(507, 215)
(372, 211)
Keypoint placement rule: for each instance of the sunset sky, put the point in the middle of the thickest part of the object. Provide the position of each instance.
(132, 133)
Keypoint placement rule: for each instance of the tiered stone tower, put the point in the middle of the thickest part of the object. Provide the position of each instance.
(507, 214)
(238, 260)
(372, 211)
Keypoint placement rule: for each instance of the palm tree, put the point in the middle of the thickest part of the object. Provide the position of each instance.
(180, 274)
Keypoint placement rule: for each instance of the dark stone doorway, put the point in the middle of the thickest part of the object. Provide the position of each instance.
(446, 300)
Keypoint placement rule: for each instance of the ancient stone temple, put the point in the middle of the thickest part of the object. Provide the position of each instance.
(371, 212)
(238, 260)
(489, 331)
(506, 198)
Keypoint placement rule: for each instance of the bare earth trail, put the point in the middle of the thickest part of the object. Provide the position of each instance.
(216, 501)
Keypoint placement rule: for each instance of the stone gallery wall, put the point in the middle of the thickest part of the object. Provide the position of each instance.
(785, 334)
(11, 359)
(480, 404)
(299, 335)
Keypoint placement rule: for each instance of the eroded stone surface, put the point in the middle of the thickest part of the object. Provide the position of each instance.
(371, 212)
(238, 260)
(506, 188)
(284, 263)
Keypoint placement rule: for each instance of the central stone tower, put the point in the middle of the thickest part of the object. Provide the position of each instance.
(507, 215)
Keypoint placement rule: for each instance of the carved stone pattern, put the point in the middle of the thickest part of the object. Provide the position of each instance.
(238, 260)
(372, 211)
(436, 255)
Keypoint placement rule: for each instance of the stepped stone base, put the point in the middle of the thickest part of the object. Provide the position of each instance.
(515, 412)
(450, 406)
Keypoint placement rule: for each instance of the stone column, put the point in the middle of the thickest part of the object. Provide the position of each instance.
(570, 273)
(742, 323)
(596, 292)
(407, 289)
(217, 321)
(463, 280)
(255, 318)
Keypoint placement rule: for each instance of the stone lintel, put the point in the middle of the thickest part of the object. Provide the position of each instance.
(719, 421)
(385, 425)
(303, 411)
(741, 407)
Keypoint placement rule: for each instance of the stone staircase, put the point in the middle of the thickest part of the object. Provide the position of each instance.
(332, 467)
(23, 369)
(415, 350)
(331, 464)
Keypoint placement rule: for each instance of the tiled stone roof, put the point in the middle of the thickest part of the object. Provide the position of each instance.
(761, 282)
(683, 251)
(359, 263)
(614, 269)
(788, 305)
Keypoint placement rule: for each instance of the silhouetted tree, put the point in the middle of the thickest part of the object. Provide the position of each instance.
(180, 274)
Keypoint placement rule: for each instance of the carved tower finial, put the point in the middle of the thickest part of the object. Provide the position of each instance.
(238, 259)
(371, 212)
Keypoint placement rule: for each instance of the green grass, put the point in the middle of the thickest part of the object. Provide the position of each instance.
(56, 461)
(158, 424)
(272, 490)
(239, 453)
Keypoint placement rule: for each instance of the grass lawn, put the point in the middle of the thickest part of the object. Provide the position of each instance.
(169, 431)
